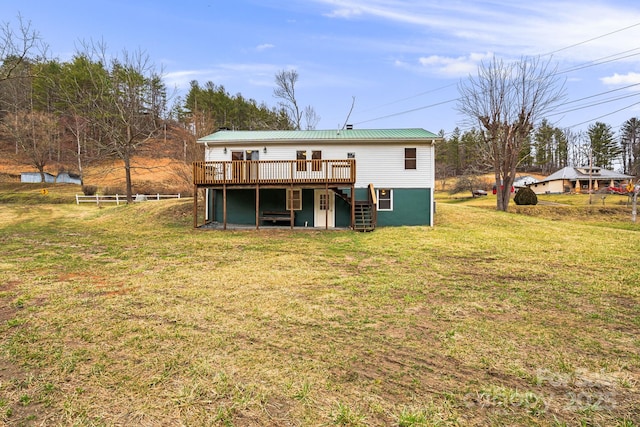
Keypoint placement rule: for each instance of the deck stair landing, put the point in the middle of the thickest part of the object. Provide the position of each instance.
(364, 211)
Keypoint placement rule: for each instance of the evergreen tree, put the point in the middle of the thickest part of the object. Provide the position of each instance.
(630, 146)
(604, 149)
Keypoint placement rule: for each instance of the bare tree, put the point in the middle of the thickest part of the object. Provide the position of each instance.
(36, 134)
(16, 47)
(506, 100)
(286, 90)
(311, 118)
(127, 105)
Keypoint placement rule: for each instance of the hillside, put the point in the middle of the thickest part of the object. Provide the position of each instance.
(163, 166)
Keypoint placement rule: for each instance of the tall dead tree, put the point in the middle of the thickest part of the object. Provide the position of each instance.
(506, 99)
(286, 91)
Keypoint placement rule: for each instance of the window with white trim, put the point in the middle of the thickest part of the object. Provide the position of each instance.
(410, 158)
(385, 199)
(294, 196)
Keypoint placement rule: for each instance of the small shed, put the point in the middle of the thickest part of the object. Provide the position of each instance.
(36, 178)
(68, 178)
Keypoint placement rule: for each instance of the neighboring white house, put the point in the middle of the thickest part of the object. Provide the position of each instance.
(524, 181)
(577, 179)
(318, 178)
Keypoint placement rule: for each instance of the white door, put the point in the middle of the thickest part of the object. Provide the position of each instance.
(324, 212)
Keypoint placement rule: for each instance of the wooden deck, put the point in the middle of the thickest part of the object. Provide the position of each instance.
(275, 172)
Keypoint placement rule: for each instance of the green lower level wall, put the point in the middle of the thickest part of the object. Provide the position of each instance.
(411, 206)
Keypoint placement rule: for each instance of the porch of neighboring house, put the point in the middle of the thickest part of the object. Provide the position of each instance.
(256, 190)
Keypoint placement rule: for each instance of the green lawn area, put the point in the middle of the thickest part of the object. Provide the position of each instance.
(128, 316)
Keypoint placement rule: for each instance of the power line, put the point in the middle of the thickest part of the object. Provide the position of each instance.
(595, 104)
(595, 62)
(602, 93)
(409, 97)
(408, 111)
(593, 39)
(605, 115)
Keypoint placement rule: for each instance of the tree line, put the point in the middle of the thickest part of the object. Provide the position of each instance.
(546, 149)
(99, 106)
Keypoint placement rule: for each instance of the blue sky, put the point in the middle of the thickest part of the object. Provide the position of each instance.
(401, 60)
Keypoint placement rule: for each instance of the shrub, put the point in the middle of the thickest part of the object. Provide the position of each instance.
(526, 196)
(89, 190)
(113, 190)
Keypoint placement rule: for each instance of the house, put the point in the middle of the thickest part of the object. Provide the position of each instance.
(351, 178)
(524, 181)
(576, 180)
(35, 177)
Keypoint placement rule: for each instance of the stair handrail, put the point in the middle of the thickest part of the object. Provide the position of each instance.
(373, 201)
(373, 198)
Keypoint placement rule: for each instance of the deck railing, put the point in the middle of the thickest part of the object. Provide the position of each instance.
(239, 172)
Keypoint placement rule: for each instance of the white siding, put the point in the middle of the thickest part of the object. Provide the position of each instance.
(379, 164)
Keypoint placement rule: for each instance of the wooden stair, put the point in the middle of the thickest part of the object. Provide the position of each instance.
(364, 218)
(365, 215)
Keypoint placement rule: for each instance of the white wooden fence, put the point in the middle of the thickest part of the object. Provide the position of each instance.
(122, 198)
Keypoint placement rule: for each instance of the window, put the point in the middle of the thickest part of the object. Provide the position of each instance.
(294, 197)
(301, 164)
(385, 199)
(317, 164)
(410, 158)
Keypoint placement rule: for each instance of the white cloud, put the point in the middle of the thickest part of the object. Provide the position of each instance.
(256, 74)
(621, 79)
(345, 13)
(265, 46)
(575, 31)
(181, 79)
(460, 66)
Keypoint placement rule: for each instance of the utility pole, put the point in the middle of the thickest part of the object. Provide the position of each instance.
(590, 171)
(636, 188)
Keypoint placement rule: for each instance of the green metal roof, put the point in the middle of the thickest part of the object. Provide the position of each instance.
(363, 135)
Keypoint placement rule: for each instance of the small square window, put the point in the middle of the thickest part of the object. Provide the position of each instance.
(385, 199)
(294, 197)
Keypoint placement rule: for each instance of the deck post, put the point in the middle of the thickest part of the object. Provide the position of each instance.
(291, 204)
(195, 206)
(224, 207)
(257, 206)
(353, 207)
(326, 211)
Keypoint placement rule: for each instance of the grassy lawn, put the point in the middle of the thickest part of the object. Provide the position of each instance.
(127, 316)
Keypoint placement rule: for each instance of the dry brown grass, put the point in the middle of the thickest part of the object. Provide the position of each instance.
(127, 316)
